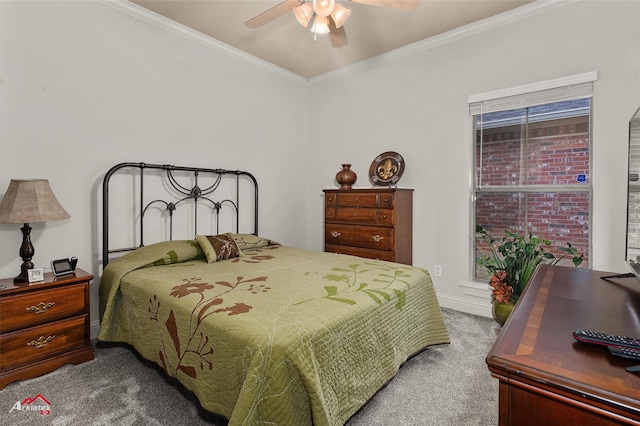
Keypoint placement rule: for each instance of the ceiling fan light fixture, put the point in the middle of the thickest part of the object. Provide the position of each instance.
(324, 7)
(303, 13)
(340, 15)
(320, 25)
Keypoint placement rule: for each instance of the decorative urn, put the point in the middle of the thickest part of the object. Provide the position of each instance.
(346, 177)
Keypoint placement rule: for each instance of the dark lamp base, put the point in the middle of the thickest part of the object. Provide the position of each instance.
(22, 278)
(26, 253)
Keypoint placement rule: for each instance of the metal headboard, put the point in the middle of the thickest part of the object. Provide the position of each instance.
(179, 194)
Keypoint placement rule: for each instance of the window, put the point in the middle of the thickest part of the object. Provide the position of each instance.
(532, 165)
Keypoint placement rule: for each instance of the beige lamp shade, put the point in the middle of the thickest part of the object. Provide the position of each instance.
(29, 201)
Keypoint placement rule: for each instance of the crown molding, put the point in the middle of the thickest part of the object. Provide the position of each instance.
(523, 12)
(514, 15)
(178, 29)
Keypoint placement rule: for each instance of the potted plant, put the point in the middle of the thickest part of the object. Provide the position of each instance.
(512, 260)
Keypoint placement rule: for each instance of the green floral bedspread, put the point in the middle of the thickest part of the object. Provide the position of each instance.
(277, 336)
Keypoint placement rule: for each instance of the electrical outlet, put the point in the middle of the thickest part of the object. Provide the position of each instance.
(437, 271)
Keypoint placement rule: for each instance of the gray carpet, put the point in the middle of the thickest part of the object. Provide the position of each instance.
(443, 385)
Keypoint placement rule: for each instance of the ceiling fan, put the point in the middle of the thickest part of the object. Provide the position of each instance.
(328, 16)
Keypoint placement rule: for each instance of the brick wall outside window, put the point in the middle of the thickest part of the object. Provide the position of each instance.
(556, 152)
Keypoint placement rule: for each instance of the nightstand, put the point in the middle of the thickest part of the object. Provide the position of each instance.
(44, 325)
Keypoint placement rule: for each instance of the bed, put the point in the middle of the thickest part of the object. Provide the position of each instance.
(262, 333)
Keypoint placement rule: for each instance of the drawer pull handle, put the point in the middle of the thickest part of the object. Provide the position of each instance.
(377, 238)
(41, 307)
(41, 341)
(335, 234)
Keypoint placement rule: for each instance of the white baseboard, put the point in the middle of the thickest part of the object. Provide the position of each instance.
(95, 329)
(482, 309)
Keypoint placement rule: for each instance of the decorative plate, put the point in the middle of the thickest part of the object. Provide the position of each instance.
(386, 169)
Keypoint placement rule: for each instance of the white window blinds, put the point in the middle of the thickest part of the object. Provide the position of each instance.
(561, 89)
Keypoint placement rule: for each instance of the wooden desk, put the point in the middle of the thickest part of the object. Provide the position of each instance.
(546, 377)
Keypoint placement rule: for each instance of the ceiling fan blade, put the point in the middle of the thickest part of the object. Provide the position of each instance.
(338, 36)
(273, 13)
(400, 4)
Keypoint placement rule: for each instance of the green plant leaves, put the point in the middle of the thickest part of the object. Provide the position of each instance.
(519, 255)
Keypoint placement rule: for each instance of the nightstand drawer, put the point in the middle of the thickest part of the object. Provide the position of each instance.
(370, 237)
(38, 307)
(42, 341)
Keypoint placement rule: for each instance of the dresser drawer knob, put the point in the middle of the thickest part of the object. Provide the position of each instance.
(335, 234)
(41, 307)
(41, 341)
(377, 238)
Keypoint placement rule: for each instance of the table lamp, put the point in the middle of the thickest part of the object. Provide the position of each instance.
(27, 201)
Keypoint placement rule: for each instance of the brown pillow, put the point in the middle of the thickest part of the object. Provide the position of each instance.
(218, 247)
(250, 242)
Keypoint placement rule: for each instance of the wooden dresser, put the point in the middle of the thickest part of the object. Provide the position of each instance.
(43, 326)
(373, 223)
(546, 377)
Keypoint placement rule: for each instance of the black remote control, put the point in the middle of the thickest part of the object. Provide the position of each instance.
(623, 352)
(604, 339)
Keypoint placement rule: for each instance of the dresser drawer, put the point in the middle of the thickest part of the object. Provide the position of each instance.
(42, 341)
(360, 199)
(39, 307)
(385, 199)
(388, 256)
(358, 215)
(357, 199)
(370, 237)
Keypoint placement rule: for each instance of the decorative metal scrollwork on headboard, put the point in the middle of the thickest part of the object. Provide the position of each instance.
(184, 194)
